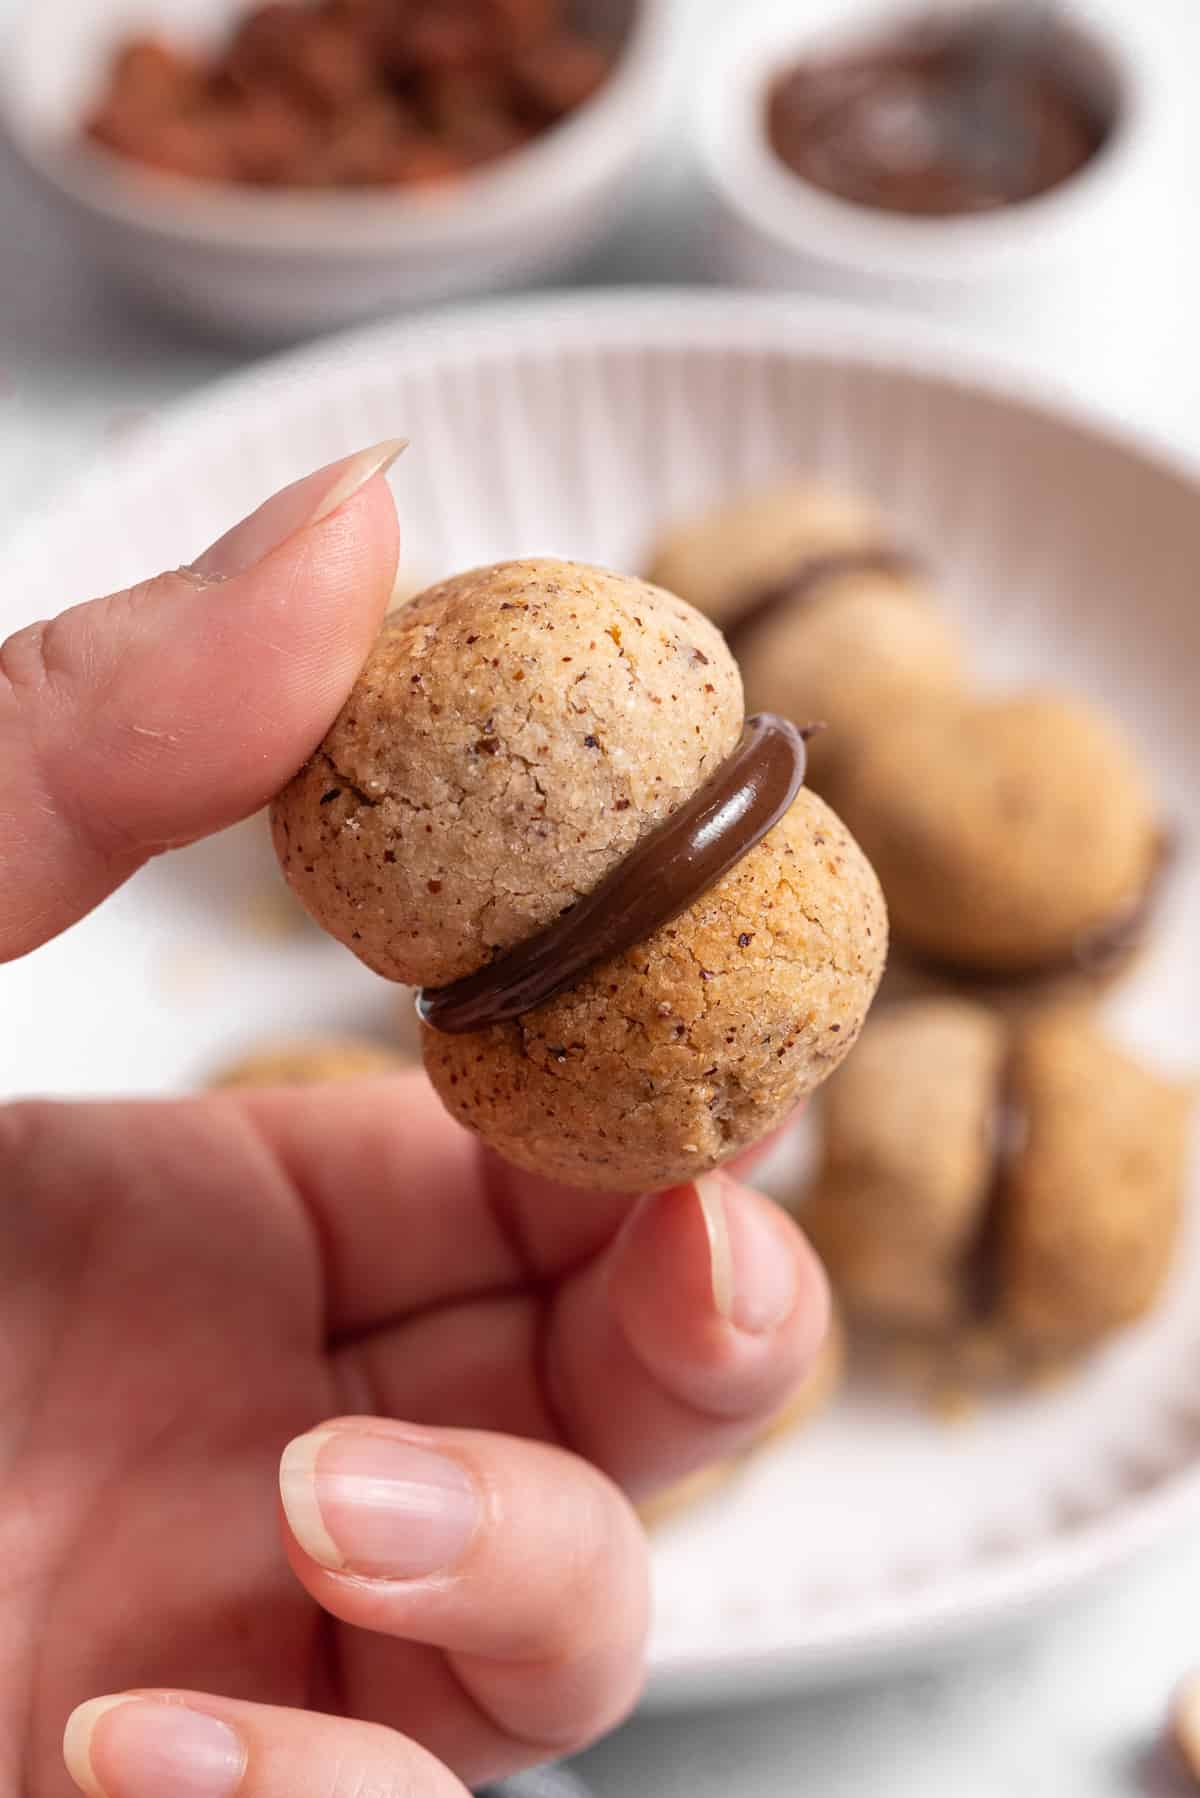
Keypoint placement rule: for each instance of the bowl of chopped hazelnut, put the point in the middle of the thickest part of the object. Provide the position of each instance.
(282, 168)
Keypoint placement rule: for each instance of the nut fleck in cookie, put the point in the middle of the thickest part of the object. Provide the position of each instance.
(1093, 1198)
(640, 941)
(1013, 837)
(908, 1162)
(829, 620)
(309, 1063)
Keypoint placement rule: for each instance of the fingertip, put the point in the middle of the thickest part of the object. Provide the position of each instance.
(329, 586)
(77, 1742)
(156, 1742)
(298, 1497)
(720, 1294)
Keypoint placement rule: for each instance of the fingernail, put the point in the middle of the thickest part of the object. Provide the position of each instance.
(376, 1505)
(753, 1268)
(293, 509)
(143, 1747)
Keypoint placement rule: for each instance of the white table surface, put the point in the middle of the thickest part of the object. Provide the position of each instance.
(1068, 1706)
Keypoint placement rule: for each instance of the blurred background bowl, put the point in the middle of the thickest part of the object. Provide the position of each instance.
(281, 264)
(772, 228)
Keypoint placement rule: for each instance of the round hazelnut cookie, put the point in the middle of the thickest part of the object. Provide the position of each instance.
(828, 620)
(1013, 837)
(521, 738)
(662, 1062)
(757, 541)
(861, 644)
(310, 1062)
(515, 731)
(909, 1129)
(1091, 1205)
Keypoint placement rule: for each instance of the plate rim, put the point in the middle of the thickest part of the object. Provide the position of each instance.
(980, 1593)
(853, 331)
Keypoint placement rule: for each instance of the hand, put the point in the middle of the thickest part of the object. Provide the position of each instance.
(460, 1366)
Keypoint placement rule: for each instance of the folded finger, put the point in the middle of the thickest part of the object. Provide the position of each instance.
(520, 1562)
(155, 1743)
(673, 1345)
(471, 1224)
(683, 1341)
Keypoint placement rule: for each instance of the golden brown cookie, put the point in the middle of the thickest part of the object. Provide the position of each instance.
(908, 1159)
(998, 1197)
(516, 733)
(1091, 1205)
(829, 623)
(667, 1060)
(755, 541)
(309, 1062)
(1013, 837)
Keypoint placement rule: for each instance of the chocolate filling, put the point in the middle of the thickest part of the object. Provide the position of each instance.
(662, 875)
(803, 582)
(939, 122)
(1110, 945)
(1008, 1130)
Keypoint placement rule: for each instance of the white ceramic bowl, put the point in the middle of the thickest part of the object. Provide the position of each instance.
(771, 228)
(1067, 548)
(276, 264)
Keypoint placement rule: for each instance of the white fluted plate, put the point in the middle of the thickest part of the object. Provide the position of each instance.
(576, 426)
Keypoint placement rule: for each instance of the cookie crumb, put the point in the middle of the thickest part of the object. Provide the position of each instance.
(272, 915)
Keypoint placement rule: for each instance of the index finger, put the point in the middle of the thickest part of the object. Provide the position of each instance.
(381, 1166)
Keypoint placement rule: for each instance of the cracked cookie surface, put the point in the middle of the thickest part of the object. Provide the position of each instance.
(514, 733)
(666, 1060)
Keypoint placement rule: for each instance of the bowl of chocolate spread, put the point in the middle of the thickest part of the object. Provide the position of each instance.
(932, 145)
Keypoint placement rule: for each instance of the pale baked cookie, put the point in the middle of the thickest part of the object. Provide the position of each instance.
(829, 622)
(998, 1197)
(758, 540)
(517, 734)
(1013, 837)
(309, 1062)
(514, 733)
(1092, 1202)
(908, 1163)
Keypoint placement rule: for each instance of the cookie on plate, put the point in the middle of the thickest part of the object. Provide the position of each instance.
(1094, 1192)
(908, 1132)
(1011, 1192)
(829, 619)
(310, 1062)
(1015, 837)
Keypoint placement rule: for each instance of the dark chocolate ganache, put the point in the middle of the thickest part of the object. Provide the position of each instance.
(672, 866)
(804, 581)
(934, 123)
